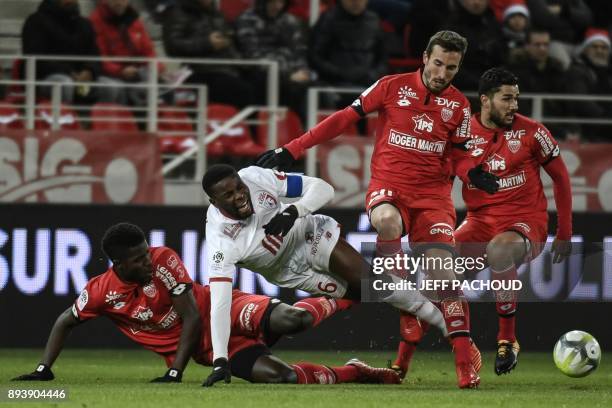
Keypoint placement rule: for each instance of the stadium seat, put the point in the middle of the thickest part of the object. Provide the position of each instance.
(178, 133)
(289, 128)
(9, 116)
(237, 141)
(231, 9)
(112, 117)
(68, 119)
(15, 92)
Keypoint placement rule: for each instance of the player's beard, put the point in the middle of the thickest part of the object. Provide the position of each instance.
(500, 121)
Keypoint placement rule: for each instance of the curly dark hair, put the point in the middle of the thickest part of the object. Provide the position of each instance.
(216, 173)
(118, 238)
(493, 79)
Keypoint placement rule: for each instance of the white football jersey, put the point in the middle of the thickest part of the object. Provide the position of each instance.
(232, 243)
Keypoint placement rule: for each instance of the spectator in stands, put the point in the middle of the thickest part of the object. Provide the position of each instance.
(395, 12)
(474, 20)
(566, 21)
(499, 7)
(602, 13)
(268, 31)
(347, 46)
(196, 29)
(121, 33)
(57, 28)
(515, 27)
(539, 72)
(591, 73)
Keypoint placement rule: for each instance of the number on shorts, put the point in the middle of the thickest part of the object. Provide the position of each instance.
(329, 287)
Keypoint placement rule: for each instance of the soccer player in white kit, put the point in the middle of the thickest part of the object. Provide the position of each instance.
(249, 225)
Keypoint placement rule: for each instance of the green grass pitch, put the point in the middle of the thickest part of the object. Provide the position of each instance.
(119, 378)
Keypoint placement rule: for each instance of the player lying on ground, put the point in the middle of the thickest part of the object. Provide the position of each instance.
(248, 225)
(511, 225)
(151, 298)
(419, 115)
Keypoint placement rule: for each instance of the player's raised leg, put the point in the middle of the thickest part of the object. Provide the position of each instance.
(504, 252)
(347, 263)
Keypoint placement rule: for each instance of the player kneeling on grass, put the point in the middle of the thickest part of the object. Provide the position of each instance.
(149, 295)
(249, 225)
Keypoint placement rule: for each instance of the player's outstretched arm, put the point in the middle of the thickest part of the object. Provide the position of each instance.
(187, 308)
(220, 327)
(562, 245)
(284, 157)
(60, 331)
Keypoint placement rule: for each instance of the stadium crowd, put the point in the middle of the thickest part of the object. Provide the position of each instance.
(554, 46)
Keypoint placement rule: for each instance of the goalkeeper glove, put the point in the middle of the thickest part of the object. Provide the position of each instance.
(172, 375)
(221, 372)
(279, 159)
(282, 222)
(483, 180)
(42, 373)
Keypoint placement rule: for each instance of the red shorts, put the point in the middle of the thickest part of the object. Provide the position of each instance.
(425, 221)
(247, 316)
(477, 230)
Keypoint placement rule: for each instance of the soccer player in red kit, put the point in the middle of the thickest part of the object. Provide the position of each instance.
(510, 226)
(150, 296)
(420, 114)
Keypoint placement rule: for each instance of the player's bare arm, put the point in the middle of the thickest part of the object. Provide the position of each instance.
(186, 307)
(59, 333)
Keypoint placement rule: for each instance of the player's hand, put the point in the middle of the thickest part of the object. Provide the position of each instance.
(483, 180)
(221, 372)
(279, 159)
(561, 249)
(172, 375)
(42, 373)
(282, 222)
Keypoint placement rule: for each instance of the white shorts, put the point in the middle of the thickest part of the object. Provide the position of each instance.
(307, 268)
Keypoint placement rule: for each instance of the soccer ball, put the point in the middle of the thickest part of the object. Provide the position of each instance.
(577, 354)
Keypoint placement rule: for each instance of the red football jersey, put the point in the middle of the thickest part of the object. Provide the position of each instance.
(414, 134)
(515, 155)
(143, 313)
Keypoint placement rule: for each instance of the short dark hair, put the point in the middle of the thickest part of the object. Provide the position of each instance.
(120, 237)
(215, 174)
(493, 79)
(535, 30)
(449, 40)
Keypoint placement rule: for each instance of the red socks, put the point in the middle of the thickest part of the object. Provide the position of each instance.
(321, 307)
(456, 314)
(309, 373)
(505, 303)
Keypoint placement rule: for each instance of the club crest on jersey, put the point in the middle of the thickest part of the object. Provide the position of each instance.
(514, 145)
(496, 163)
(266, 200)
(309, 237)
(422, 123)
(142, 313)
(149, 290)
(446, 114)
(406, 93)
